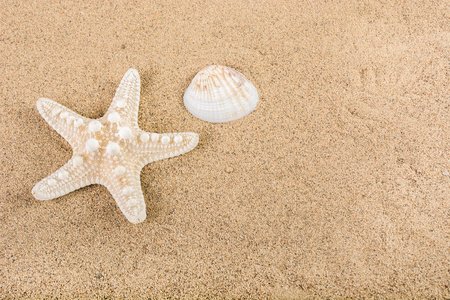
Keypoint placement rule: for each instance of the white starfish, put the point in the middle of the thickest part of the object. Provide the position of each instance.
(111, 150)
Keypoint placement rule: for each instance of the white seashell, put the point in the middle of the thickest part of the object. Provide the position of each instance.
(220, 94)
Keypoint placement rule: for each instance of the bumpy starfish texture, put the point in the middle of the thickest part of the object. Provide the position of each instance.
(111, 150)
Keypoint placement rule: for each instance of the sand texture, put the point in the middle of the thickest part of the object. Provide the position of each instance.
(337, 185)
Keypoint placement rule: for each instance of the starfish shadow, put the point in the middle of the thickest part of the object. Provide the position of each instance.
(151, 200)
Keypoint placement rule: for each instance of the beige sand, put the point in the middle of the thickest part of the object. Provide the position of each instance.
(336, 186)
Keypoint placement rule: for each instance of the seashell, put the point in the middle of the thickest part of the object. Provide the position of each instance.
(220, 94)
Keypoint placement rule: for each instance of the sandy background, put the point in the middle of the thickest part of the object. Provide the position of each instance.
(336, 186)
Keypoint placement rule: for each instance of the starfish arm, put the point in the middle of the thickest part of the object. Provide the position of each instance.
(65, 121)
(126, 100)
(126, 190)
(161, 146)
(65, 180)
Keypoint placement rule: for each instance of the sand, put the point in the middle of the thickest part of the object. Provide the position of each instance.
(337, 185)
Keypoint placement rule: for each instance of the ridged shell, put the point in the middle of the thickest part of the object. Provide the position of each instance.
(220, 94)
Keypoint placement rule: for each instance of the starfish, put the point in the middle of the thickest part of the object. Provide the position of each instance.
(111, 150)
